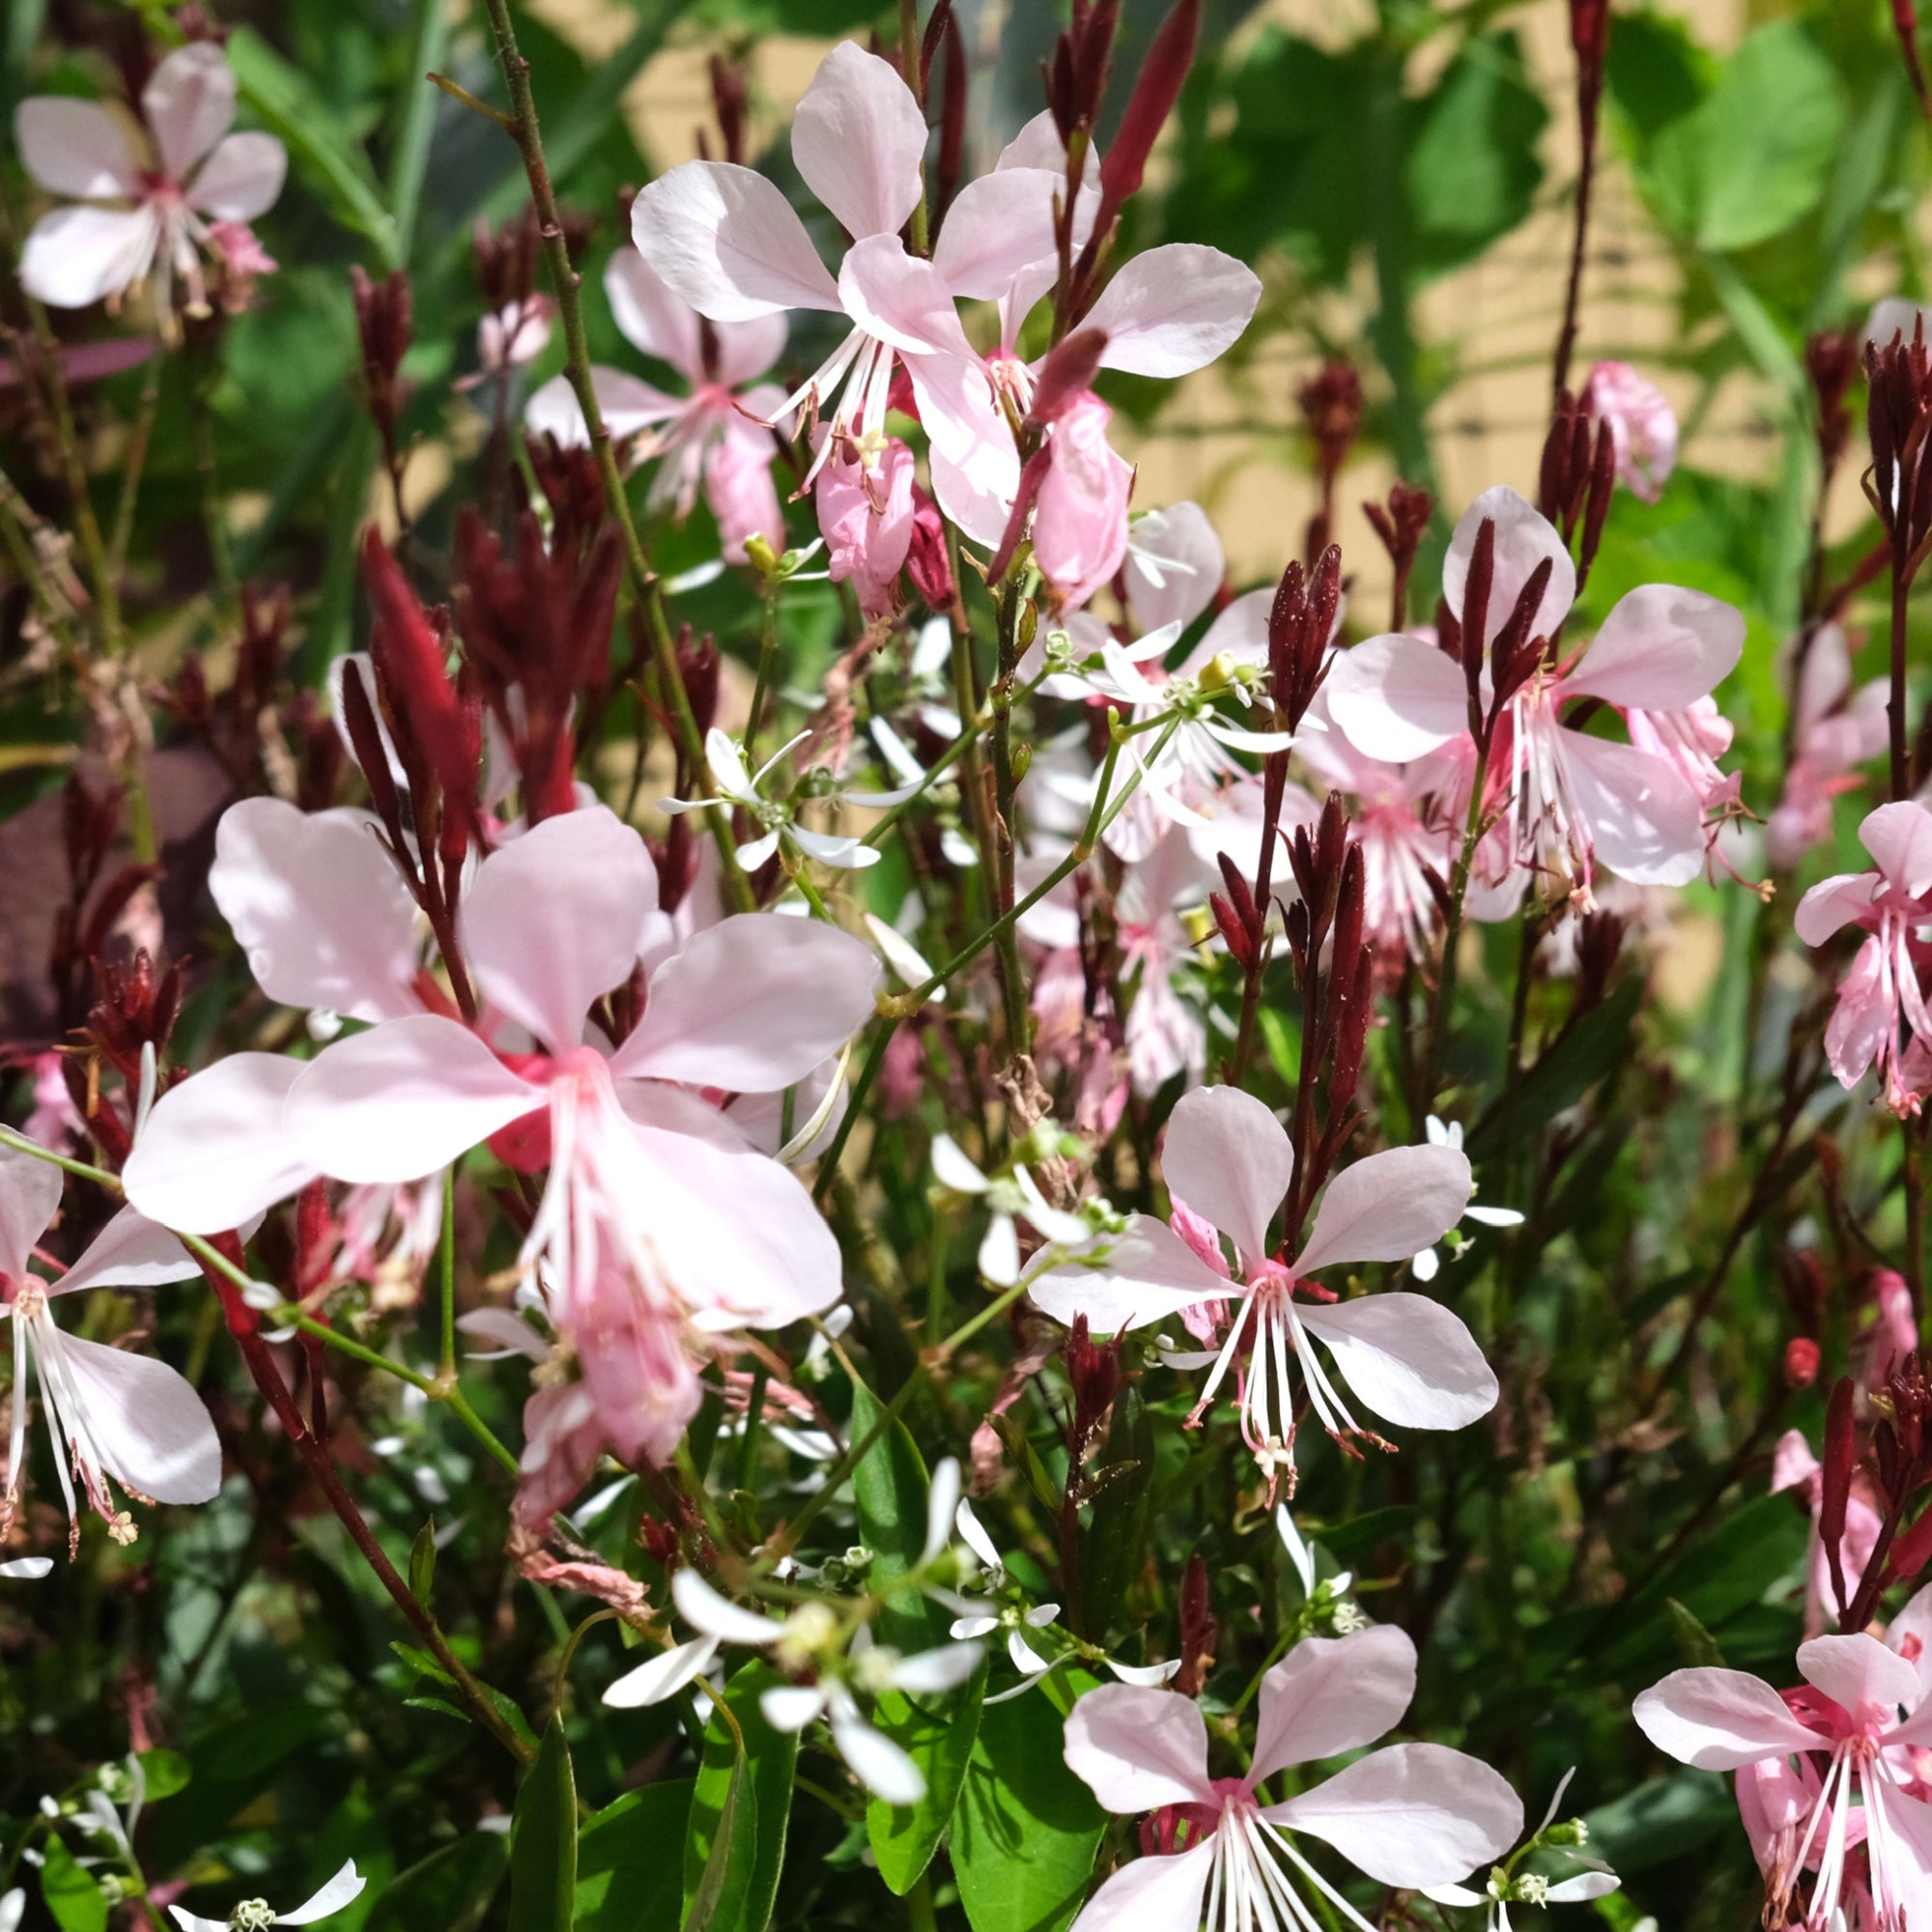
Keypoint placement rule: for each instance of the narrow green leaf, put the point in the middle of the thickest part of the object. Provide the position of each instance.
(421, 1660)
(450, 1889)
(891, 1487)
(1116, 1538)
(543, 1840)
(428, 42)
(71, 1893)
(938, 1734)
(422, 1563)
(1584, 1053)
(1698, 1645)
(740, 1818)
(624, 1880)
(164, 1773)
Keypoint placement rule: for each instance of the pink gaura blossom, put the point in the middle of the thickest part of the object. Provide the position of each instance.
(1215, 1853)
(1882, 990)
(1643, 426)
(1833, 731)
(1573, 800)
(510, 338)
(117, 1417)
(1795, 1467)
(1403, 1358)
(133, 213)
(716, 435)
(865, 503)
(1856, 1731)
(1080, 515)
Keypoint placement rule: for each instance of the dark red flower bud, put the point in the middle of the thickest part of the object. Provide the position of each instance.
(1155, 91)
(1800, 1362)
(1199, 1629)
(928, 562)
(1835, 1481)
(1067, 374)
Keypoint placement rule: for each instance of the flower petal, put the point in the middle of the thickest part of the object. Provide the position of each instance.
(704, 1610)
(1333, 1694)
(131, 1252)
(726, 240)
(1388, 1207)
(1227, 1158)
(1409, 1359)
(752, 1005)
(319, 907)
(146, 1423)
(1899, 838)
(401, 1100)
(1149, 1275)
(942, 1669)
(875, 1761)
(215, 1151)
(30, 1197)
(1153, 1895)
(1136, 1749)
(1718, 1719)
(1396, 698)
(997, 226)
(1660, 649)
(1174, 309)
(1646, 823)
(76, 147)
(1175, 565)
(1410, 1815)
(76, 256)
(241, 179)
(189, 105)
(942, 1506)
(900, 299)
(651, 318)
(1523, 540)
(1860, 1673)
(858, 138)
(556, 918)
(662, 1676)
(346, 1884)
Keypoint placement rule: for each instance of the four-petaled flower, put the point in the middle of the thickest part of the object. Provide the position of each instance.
(257, 1915)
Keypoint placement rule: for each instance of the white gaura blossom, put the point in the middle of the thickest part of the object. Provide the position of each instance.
(1449, 1133)
(1011, 1197)
(1506, 1887)
(136, 213)
(257, 1915)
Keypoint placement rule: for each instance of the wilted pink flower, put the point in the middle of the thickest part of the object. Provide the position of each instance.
(198, 174)
(1408, 1816)
(117, 1417)
(865, 503)
(1643, 426)
(1882, 990)
(1080, 516)
(716, 435)
(1866, 1711)
(1406, 1358)
(1835, 730)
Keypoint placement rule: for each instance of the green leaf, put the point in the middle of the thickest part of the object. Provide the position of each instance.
(422, 1662)
(891, 1487)
(543, 1839)
(1115, 1543)
(1027, 1831)
(1581, 1055)
(422, 1563)
(739, 1817)
(450, 1889)
(164, 1773)
(1698, 1645)
(624, 1881)
(71, 1893)
(938, 1734)
(288, 103)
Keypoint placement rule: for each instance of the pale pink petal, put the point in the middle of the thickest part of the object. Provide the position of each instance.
(997, 226)
(1864, 1018)
(189, 105)
(1175, 566)
(1396, 698)
(1833, 903)
(319, 907)
(738, 483)
(214, 1152)
(858, 138)
(1645, 822)
(1136, 1749)
(726, 240)
(346, 1884)
(1332, 1694)
(1792, 1463)
(30, 1197)
(76, 147)
(1149, 1275)
(131, 1252)
(147, 1425)
(1860, 1673)
(627, 404)
(1408, 1358)
(1239, 632)
(1523, 540)
(1228, 1157)
(1153, 1895)
(752, 1005)
(1660, 649)
(1718, 1719)
(746, 350)
(556, 919)
(900, 299)
(1388, 1207)
(976, 494)
(1410, 1815)
(1913, 1626)
(1174, 309)
(650, 318)
(76, 256)
(402, 1100)
(1899, 839)
(241, 179)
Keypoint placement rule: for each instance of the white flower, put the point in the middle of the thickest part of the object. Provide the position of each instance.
(1012, 1198)
(256, 1915)
(1504, 1889)
(1427, 1263)
(29, 1568)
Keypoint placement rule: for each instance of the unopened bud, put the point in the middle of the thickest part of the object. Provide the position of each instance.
(764, 559)
(1801, 1361)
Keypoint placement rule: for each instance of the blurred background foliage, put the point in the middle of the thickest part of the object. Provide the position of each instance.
(1401, 175)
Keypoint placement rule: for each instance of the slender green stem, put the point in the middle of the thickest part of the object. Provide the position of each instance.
(446, 1279)
(1441, 1009)
(132, 464)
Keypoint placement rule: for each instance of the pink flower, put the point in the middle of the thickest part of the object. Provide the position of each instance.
(117, 1417)
(865, 503)
(1882, 988)
(1796, 1467)
(716, 435)
(1408, 1816)
(198, 174)
(1643, 426)
(511, 337)
(1080, 516)
(1835, 730)
(1575, 800)
(1405, 1358)
(1854, 1733)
